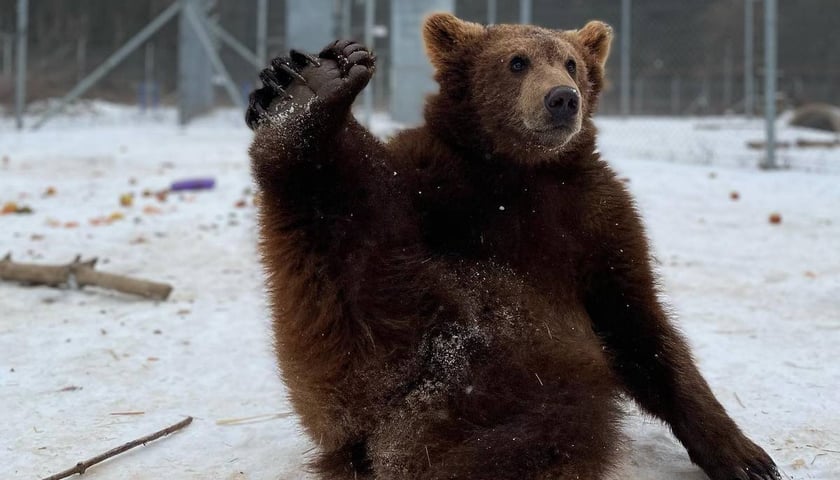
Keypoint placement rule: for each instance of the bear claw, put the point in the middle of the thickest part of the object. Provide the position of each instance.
(270, 81)
(291, 71)
(302, 58)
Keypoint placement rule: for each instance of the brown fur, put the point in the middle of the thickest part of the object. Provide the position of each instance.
(468, 300)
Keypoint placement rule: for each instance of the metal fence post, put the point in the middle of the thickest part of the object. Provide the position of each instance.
(749, 68)
(148, 87)
(346, 18)
(198, 25)
(492, 12)
(728, 75)
(8, 45)
(676, 93)
(196, 93)
(370, 13)
(262, 31)
(20, 83)
(525, 11)
(770, 72)
(625, 57)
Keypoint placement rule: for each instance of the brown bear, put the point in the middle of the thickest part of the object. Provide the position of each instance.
(471, 299)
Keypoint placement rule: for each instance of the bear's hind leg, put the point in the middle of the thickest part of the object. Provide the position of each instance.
(535, 445)
(350, 462)
(570, 440)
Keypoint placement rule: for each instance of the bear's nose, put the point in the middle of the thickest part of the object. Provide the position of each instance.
(562, 102)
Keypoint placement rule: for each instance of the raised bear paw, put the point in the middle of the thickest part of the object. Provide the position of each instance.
(352, 66)
(333, 79)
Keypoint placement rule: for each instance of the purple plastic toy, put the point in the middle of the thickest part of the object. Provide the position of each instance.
(193, 184)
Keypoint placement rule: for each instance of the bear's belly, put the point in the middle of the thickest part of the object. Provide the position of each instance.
(511, 350)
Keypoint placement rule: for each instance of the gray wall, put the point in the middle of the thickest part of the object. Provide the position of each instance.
(411, 74)
(310, 24)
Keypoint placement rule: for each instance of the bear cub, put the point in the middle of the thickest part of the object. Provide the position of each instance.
(471, 299)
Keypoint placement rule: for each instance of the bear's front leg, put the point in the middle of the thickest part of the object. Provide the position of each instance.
(653, 359)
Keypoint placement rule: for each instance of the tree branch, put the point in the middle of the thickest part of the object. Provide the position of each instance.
(80, 274)
(82, 466)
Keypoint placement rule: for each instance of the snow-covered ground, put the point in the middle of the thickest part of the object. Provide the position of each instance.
(84, 371)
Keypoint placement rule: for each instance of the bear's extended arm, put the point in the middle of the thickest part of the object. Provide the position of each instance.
(654, 361)
(320, 173)
(336, 232)
(318, 181)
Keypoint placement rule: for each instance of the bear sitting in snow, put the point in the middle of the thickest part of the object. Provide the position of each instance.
(470, 299)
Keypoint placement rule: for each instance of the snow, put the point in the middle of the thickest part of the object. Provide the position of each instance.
(759, 302)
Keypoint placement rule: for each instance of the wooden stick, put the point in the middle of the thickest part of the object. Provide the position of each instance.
(759, 145)
(800, 143)
(79, 274)
(82, 466)
(806, 143)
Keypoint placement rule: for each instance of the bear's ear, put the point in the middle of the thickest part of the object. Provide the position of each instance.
(596, 37)
(444, 33)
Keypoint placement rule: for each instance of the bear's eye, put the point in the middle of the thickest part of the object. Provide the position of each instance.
(571, 66)
(518, 64)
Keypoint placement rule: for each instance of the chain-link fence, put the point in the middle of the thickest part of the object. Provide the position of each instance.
(674, 59)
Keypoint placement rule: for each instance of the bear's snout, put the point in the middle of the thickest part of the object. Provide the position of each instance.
(563, 103)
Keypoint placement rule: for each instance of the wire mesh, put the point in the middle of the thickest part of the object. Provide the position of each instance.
(686, 59)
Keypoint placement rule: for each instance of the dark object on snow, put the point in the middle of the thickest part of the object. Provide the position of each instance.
(193, 184)
(819, 116)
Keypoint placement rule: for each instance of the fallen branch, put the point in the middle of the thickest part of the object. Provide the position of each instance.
(761, 145)
(80, 274)
(82, 466)
(799, 143)
(805, 143)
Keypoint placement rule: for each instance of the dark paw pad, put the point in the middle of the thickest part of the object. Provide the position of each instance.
(348, 54)
(350, 65)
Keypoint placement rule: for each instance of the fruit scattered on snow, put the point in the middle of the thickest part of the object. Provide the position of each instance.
(127, 199)
(9, 207)
(13, 207)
